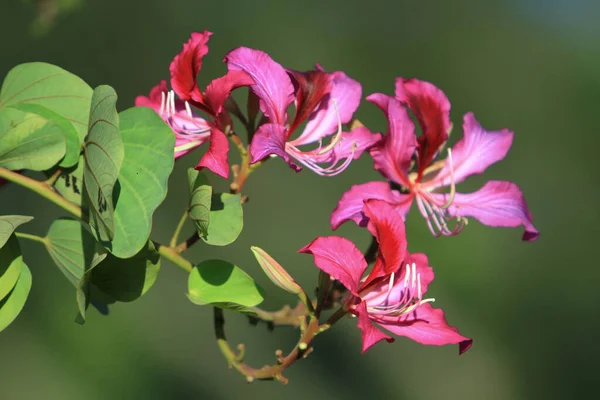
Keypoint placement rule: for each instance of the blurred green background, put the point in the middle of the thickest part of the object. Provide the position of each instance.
(532, 309)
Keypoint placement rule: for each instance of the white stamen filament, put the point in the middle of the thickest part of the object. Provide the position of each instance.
(188, 109)
(452, 182)
(338, 135)
(162, 103)
(172, 103)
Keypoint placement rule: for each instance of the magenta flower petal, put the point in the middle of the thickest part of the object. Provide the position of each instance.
(154, 99)
(350, 206)
(272, 84)
(426, 325)
(355, 142)
(370, 334)
(393, 154)
(476, 151)
(497, 203)
(324, 120)
(219, 89)
(270, 139)
(215, 158)
(187, 64)
(388, 228)
(340, 258)
(432, 108)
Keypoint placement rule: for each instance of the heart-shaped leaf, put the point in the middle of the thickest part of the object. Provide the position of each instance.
(103, 153)
(223, 285)
(8, 224)
(29, 141)
(52, 87)
(226, 219)
(149, 159)
(73, 248)
(200, 199)
(73, 144)
(12, 304)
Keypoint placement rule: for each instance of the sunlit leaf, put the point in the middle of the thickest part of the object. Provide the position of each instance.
(149, 147)
(29, 141)
(12, 304)
(72, 140)
(222, 284)
(226, 219)
(103, 153)
(52, 87)
(8, 224)
(200, 199)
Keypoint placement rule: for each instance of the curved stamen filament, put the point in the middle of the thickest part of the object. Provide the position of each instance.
(338, 134)
(334, 169)
(452, 182)
(436, 214)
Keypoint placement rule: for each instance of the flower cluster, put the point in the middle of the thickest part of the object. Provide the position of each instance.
(319, 133)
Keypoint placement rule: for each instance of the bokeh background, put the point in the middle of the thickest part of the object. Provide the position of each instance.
(532, 308)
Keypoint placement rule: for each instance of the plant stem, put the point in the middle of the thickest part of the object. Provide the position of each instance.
(28, 236)
(54, 177)
(170, 254)
(43, 190)
(175, 237)
(183, 246)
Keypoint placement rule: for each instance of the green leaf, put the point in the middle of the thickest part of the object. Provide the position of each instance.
(72, 248)
(127, 280)
(73, 144)
(52, 87)
(8, 224)
(70, 183)
(12, 304)
(149, 159)
(103, 152)
(200, 199)
(10, 266)
(29, 141)
(224, 285)
(226, 219)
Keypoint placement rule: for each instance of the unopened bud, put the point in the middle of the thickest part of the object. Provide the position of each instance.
(275, 272)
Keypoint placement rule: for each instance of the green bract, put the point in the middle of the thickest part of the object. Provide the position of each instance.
(224, 285)
(103, 152)
(149, 159)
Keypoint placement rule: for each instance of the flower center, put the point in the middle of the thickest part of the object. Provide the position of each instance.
(400, 298)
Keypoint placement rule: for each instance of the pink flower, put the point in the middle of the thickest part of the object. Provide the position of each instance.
(191, 130)
(392, 294)
(497, 203)
(323, 100)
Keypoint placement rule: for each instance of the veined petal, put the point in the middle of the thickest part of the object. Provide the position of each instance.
(370, 334)
(497, 203)
(323, 121)
(388, 228)
(187, 64)
(340, 258)
(270, 139)
(392, 156)
(350, 206)
(432, 108)
(426, 325)
(154, 99)
(215, 158)
(311, 88)
(271, 83)
(477, 150)
(219, 89)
